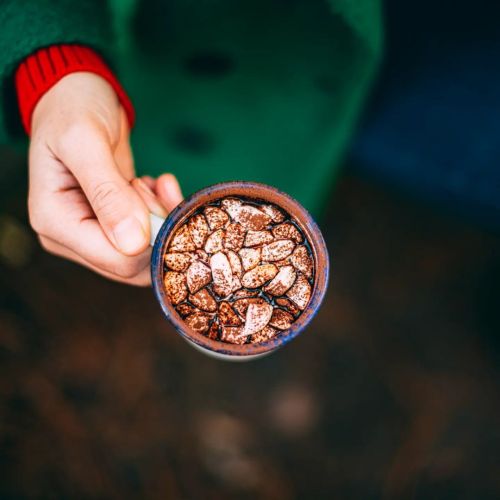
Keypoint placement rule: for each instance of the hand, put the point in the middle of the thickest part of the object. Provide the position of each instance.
(83, 201)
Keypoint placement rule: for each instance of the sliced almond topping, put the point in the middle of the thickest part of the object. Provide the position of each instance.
(257, 317)
(198, 321)
(250, 257)
(302, 261)
(277, 250)
(175, 286)
(198, 275)
(241, 305)
(203, 300)
(259, 275)
(288, 305)
(213, 331)
(235, 236)
(230, 204)
(215, 242)
(233, 334)
(254, 238)
(282, 281)
(181, 241)
(198, 228)
(282, 320)
(216, 218)
(267, 333)
(235, 262)
(282, 262)
(202, 255)
(178, 261)
(248, 216)
(245, 294)
(275, 213)
(236, 283)
(300, 293)
(227, 316)
(222, 274)
(287, 231)
(229, 260)
(185, 309)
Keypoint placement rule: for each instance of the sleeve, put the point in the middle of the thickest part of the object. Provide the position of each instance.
(30, 25)
(45, 67)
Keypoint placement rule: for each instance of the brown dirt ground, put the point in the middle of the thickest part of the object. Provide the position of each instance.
(392, 392)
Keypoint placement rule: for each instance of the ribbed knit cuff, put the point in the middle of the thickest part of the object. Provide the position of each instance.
(42, 69)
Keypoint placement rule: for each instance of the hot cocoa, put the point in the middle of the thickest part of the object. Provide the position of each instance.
(239, 271)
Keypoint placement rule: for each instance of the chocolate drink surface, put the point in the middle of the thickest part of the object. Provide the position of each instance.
(239, 270)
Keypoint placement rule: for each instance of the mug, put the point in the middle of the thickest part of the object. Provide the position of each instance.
(163, 229)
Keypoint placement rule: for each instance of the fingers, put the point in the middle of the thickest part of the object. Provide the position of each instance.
(149, 198)
(150, 182)
(121, 212)
(81, 202)
(123, 151)
(160, 195)
(61, 212)
(87, 207)
(168, 191)
(142, 278)
(86, 239)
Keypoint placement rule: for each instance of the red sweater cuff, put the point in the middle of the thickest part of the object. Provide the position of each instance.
(42, 69)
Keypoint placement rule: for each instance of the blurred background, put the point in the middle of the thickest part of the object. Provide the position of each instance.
(392, 392)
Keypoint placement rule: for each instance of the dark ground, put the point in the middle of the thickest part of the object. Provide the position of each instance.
(392, 393)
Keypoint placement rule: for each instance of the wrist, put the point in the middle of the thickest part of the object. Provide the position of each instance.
(77, 101)
(40, 71)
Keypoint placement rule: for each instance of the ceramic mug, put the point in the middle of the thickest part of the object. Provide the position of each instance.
(163, 229)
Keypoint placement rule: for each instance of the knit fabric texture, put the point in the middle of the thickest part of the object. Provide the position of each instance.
(43, 69)
(33, 24)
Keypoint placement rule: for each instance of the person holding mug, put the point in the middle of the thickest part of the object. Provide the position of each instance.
(262, 91)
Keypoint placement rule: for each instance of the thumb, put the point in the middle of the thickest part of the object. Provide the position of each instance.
(122, 214)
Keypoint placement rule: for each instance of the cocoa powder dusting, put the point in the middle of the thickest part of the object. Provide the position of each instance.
(239, 271)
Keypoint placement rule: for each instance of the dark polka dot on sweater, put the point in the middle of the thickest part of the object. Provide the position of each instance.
(192, 139)
(209, 64)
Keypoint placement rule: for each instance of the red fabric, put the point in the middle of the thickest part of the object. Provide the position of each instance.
(41, 70)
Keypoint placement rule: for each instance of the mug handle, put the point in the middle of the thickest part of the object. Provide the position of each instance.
(155, 222)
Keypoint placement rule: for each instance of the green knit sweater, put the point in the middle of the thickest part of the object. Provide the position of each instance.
(264, 90)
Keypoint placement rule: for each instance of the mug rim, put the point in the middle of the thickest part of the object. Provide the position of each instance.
(250, 190)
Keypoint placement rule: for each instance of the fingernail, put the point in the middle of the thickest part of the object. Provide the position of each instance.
(144, 187)
(129, 236)
(149, 181)
(151, 200)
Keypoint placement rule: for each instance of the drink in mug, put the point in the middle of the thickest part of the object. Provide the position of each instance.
(240, 269)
